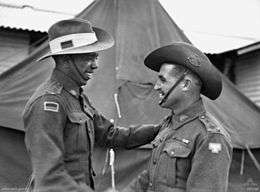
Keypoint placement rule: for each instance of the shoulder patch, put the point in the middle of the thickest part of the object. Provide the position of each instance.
(51, 106)
(215, 147)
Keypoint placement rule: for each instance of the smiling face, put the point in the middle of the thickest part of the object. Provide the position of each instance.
(86, 64)
(169, 76)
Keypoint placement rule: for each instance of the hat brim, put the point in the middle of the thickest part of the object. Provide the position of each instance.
(105, 41)
(178, 54)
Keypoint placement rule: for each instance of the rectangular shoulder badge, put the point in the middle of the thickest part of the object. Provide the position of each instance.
(51, 106)
(215, 147)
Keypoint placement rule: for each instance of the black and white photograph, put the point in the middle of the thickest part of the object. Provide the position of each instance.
(129, 96)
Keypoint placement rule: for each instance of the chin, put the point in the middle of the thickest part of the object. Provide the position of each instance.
(169, 104)
(164, 105)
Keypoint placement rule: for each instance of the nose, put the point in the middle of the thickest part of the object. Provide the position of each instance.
(94, 64)
(157, 86)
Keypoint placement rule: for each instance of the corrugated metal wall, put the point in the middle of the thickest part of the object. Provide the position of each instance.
(247, 71)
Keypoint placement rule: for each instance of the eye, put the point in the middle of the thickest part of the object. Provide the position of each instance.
(162, 78)
(93, 57)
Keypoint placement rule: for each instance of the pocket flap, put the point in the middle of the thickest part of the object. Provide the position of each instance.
(77, 117)
(176, 149)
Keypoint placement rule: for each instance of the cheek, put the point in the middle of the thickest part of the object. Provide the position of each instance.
(175, 95)
(167, 87)
(85, 66)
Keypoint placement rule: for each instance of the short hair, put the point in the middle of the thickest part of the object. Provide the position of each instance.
(193, 76)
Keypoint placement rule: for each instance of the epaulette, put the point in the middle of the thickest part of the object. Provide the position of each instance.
(53, 87)
(210, 125)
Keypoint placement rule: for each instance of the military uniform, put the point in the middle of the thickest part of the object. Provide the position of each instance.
(191, 153)
(61, 127)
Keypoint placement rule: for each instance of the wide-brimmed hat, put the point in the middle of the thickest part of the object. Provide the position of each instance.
(77, 36)
(192, 58)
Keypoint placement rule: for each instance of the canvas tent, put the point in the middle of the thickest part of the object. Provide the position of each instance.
(138, 26)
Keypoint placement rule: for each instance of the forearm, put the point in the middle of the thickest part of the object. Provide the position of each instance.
(132, 137)
(123, 137)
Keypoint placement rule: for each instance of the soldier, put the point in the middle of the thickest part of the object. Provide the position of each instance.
(192, 152)
(61, 125)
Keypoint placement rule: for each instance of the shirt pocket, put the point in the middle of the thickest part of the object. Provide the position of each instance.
(176, 154)
(177, 149)
(75, 136)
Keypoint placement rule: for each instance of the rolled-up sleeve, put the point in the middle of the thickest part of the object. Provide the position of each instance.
(210, 165)
(44, 122)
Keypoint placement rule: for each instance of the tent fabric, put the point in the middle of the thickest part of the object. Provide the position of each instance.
(14, 160)
(139, 26)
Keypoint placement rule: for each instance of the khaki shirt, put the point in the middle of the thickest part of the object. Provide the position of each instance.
(191, 153)
(61, 127)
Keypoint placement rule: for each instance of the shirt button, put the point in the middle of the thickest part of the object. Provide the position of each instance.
(202, 117)
(172, 152)
(150, 184)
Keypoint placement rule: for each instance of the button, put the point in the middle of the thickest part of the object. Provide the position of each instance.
(172, 152)
(154, 162)
(202, 117)
(150, 184)
(185, 141)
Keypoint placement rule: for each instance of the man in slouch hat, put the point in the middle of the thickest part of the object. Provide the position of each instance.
(192, 152)
(61, 125)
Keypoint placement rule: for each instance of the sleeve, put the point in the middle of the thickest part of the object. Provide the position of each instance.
(210, 165)
(140, 184)
(44, 123)
(122, 137)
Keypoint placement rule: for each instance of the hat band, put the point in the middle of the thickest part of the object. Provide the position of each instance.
(72, 41)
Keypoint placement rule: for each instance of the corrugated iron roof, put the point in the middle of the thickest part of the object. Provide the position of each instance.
(29, 18)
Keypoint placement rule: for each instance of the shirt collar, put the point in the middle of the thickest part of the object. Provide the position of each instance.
(68, 84)
(189, 114)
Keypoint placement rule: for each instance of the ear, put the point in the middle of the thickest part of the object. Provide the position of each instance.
(186, 85)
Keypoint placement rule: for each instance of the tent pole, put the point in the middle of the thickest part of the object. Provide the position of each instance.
(257, 164)
(117, 105)
(242, 162)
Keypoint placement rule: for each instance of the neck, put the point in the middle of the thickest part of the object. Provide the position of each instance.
(184, 104)
(72, 73)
